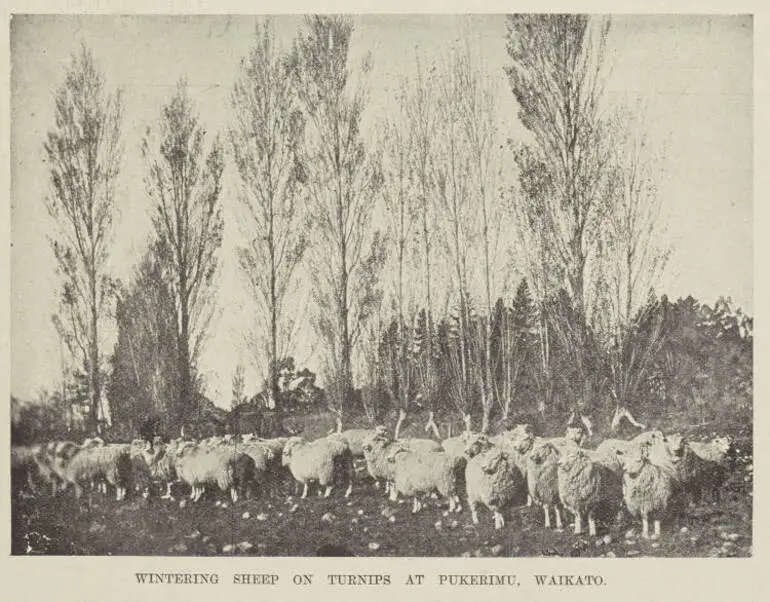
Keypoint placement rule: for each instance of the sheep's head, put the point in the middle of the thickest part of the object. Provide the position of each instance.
(677, 445)
(246, 437)
(494, 461)
(570, 459)
(475, 443)
(397, 451)
(576, 434)
(541, 452)
(522, 437)
(649, 437)
(288, 448)
(634, 458)
(723, 444)
(269, 453)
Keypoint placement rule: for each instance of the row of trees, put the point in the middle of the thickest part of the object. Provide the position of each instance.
(405, 242)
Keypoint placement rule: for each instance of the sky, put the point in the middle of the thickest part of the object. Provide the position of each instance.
(694, 75)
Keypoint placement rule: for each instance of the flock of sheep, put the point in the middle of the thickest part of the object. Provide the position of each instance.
(650, 477)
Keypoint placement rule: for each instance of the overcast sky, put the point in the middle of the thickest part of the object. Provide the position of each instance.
(694, 73)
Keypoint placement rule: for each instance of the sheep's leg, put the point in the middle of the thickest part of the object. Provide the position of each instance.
(499, 520)
(559, 526)
(233, 494)
(645, 527)
(452, 503)
(167, 496)
(349, 490)
(529, 500)
(393, 494)
(656, 525)
(547, 516)
(578, 524)
(193, 492)
(328, 491)
(474, 513)
(591, 525)
(304, 492)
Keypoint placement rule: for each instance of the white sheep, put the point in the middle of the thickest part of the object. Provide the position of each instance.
(376, 450)
(419, 472)
(100, 463)
(543, 480)
(317, 461)
(491, 479)
(357, 438)
(458, 444)
(231, 470)
(647, 486)
(519, 442)
(380, 445)
(607, 449)
(586, 484)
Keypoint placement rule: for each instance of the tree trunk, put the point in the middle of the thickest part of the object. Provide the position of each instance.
(93, 377)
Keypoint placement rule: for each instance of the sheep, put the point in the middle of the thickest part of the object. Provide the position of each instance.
(586, 484)
(108, 463)
(376, 450)
(317, 460)
(57, 455)
(701, 466)
(226, 467)
(141, 458)
(27, 463)
(262, 456)
(607, 448)
(647, 486)
(543, 480)
(458, 444)
(491, 479)
(520, 441)
(163, 464)
(380, 445)
(421, 472)
(357, 438)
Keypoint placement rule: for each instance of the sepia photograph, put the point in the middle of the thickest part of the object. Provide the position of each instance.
(369, 285)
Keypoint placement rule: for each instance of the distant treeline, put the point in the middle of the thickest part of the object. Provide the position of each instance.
(699, 362)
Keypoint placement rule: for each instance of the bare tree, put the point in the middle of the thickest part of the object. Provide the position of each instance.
(400, 208)
(478, 121)
(344, 181)
(556, 77)
(630, 257)
(452, 173)
(266, 141)
(422, 117)
(184, 183)
(83, 153)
